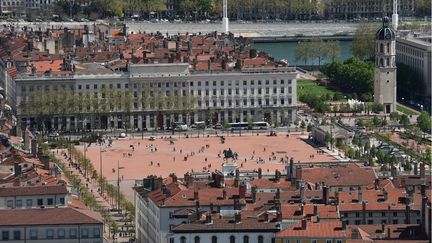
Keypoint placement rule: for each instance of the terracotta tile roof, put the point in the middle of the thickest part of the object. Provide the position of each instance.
(48, 216)
(391, 233)
(294, 211)
(44, 66)
(179, 196)
(348, 201)
(32, 191)
(351, 175)
(12, 71)
(226, 224)
(322, 229)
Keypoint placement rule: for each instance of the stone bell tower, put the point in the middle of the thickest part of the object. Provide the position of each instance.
(385, 67)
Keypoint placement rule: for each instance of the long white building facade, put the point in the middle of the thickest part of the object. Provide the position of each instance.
(264, 94)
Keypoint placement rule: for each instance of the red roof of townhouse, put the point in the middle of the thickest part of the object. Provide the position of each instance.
(32, 190)
(295, 211)
(48, 216)
(351, 175)
(376, 200)
(321, 229)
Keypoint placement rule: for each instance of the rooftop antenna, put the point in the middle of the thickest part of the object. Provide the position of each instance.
(395, 16)
(225, 20)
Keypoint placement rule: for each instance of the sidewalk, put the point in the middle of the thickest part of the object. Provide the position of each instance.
(94, 189)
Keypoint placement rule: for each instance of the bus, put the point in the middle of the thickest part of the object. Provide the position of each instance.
(261, 126)
(238, 126)
(245, 126)
(180, 127)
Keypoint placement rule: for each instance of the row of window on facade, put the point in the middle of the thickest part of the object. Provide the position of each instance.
(151, 85)
(244, 103)
(313, 241)
(60, 233)
(29, 202)
(408, 50)
(382, 221)
(215, 239)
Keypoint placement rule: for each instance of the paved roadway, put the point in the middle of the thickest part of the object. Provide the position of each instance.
(244, 29)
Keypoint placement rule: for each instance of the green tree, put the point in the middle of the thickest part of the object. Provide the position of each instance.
(318, 49)
(352, 76)
(394, 116)
(424, 121)
(333, 49)
(363, 44)
(404, 120)
(302, 52)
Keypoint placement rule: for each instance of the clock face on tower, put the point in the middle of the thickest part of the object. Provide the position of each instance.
(388, 36)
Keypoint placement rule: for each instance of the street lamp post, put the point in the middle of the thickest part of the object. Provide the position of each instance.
(100, 166)
(118, 184)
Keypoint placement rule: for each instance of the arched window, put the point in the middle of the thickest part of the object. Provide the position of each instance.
(260, 239)
(197, 239)
(182, 239)
(232, 239)
(214, 239)
(388, 62)
(388, 47)
(382, 48)
(245, 239)
(381, 62)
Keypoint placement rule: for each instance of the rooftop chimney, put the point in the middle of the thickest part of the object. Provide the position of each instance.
(423, 190)
(254, 192)
(242, 190)
(289, 169)
(363, 212)
(385, 194)
(279, 216)
(325, 197)
(17, 169)
(343, 224)
(224, 194)
(304, 224)
(360, 196)
(302, 212)
(415, 168)
(407, 214)
(422, 170)
(197, 209)
(315, 207)
(266, 217)
(34, 147)
(376, 184)
(259, 173)
(237, 218)
(277, 196)
(236, 204)
(302, 191)
(277, 176)
(196, 195)
(209, 218)
(236, 182)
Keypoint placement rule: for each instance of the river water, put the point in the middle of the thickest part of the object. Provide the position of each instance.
(285, 50)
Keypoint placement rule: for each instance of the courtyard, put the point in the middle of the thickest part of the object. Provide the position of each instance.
(163, 155)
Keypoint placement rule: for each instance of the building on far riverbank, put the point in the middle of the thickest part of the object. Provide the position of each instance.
(414, 51)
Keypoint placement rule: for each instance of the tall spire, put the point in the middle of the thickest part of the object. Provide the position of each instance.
(225, 21)
(395, 16)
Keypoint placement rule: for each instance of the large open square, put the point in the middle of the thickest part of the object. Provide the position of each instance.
(142, 157)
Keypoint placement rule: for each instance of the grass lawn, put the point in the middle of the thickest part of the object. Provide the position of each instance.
(406, 110)
(311, 87)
